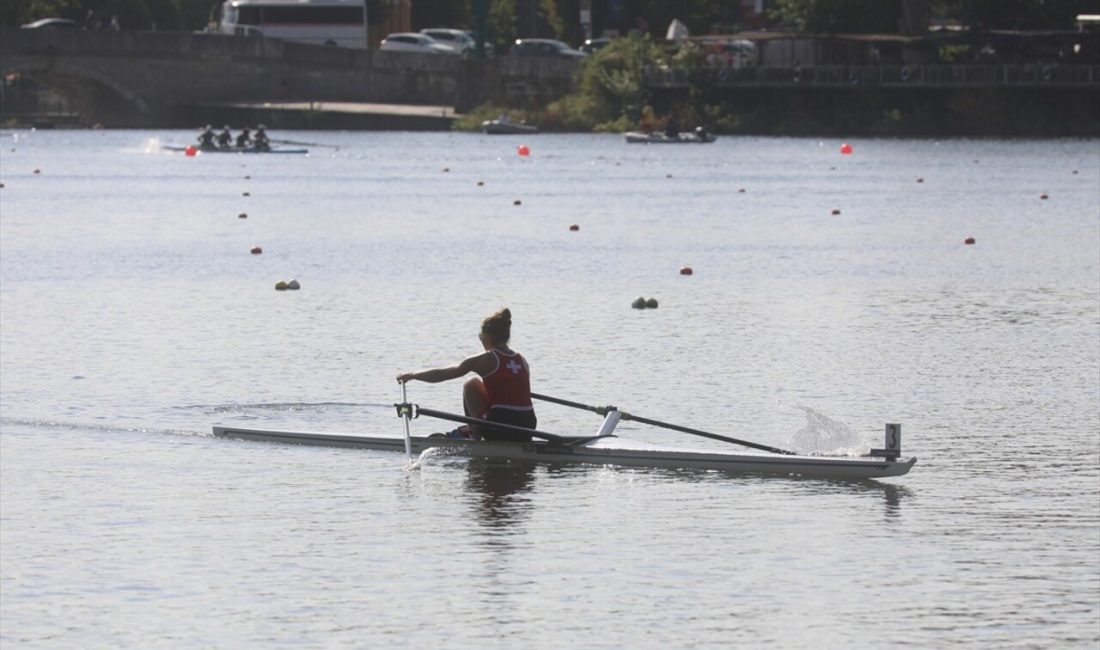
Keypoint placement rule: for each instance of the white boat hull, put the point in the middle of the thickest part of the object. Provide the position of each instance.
(602, 451)
(636, 137)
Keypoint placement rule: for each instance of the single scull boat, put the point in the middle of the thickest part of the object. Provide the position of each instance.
(604, 448)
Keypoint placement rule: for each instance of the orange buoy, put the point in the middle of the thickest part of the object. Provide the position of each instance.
(574, 228)
(686, 270)
(242, 215)
(1043, 196)
(836, 211)
(191, 150)
(256, 250)
(846, 149)
(968, 241)
(523, 150)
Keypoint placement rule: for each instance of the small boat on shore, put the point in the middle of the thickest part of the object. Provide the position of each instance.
(240, 150)
(604, 448)
(638, 137)
(503, 125)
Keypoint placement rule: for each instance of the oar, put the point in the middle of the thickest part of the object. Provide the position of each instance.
(405, 415)
(602, 410)
(478, 422)
(305, 144)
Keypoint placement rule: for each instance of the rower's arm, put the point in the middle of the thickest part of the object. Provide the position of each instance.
(478, 363)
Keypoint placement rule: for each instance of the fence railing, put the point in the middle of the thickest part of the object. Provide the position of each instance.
(928, 76)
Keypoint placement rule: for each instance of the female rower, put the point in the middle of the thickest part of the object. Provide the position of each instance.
(502, 390)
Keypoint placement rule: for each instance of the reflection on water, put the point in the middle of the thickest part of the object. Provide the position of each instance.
(500, 489)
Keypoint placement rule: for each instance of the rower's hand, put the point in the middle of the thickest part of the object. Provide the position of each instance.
(404, 377)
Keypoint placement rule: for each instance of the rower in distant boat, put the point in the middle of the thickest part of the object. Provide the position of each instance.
(672, 129)
(244, 139)
(701, 133)
(260, 139)
(502, 390)
(206, 138)
(225, 138)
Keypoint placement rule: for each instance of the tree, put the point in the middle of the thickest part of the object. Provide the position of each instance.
(440, 13)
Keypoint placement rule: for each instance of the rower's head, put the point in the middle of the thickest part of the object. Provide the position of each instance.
(497, 329)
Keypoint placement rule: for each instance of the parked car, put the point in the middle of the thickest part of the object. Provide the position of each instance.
(592, 45)
(53, 23)
(545, 47)
(412, 42)
(732, 54)
(456, 39)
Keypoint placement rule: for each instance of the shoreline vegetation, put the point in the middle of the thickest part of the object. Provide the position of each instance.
(610, 95)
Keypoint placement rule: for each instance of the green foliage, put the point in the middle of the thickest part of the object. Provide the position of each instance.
(440, 13)
(19, 12)
(548, 11)
(837, 16)
(194, 14)
(611, 79)
(502, 24)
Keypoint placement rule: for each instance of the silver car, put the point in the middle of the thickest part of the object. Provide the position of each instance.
(413, 42)
(456, 39)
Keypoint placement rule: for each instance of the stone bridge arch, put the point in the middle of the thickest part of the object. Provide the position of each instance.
(82, 84)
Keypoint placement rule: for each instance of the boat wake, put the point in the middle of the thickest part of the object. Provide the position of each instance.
(823, 435)
(310, 407)
(433, 453)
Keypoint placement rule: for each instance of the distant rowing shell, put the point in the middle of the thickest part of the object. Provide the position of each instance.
(233, 150)
(635, 137)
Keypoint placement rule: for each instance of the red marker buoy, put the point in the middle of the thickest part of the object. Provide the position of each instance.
(968, 241)
(190, 150)
(1044, 197)
(256, 250)
(686, 270)
(523, 150)
(574, 228)
(846, 149)
(836, 211)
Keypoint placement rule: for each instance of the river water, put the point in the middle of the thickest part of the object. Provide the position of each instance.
(831, 294)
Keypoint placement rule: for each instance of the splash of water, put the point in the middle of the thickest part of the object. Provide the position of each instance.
(824, 435)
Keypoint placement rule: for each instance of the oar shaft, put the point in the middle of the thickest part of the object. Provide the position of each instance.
(305, 144)
(405, 418)
(602, 410)
(478, 422)
(564, 402)
(707, 434)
